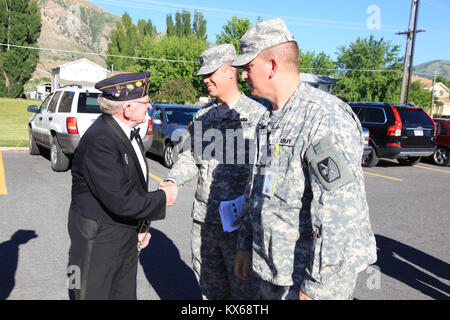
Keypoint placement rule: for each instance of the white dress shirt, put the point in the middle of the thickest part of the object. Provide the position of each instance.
(137, 149)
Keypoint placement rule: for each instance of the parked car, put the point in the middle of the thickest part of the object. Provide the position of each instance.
(441, 155)
(62, 119)
(169, 123)
(405, 133)
(367, 147)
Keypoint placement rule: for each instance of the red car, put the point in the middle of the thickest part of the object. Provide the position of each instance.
(441, 156)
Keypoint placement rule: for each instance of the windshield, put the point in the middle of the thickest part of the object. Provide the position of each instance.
(180, 116)
(87, 103)
(414, 117)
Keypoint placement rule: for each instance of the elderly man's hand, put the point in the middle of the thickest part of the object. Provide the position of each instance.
(144, 239)
(171, 191)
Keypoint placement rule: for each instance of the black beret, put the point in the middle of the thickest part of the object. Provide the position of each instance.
(125, 86)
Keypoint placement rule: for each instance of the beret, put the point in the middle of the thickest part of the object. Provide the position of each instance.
(124, 86)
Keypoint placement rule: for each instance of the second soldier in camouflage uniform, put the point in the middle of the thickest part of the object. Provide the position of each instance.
(306, 216)
(218, 151)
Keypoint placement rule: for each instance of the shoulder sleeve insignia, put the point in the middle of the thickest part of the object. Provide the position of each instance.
(329, 170)
(329, 165)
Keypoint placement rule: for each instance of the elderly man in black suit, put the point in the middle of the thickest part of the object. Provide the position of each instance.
(111, 207)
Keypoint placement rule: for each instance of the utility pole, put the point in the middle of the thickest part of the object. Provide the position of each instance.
(432, 94)
(416, 16)
(408, 61)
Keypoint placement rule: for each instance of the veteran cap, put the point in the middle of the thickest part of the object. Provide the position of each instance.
(125, 86)
(264, 35)
(213, 58)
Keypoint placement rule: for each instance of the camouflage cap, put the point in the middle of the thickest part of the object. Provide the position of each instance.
(213, 58)
(261, 36)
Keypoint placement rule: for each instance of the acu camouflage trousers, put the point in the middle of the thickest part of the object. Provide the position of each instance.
(213, 252)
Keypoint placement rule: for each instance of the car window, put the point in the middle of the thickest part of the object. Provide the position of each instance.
(180, 116)
(66, 101)
(375, 115)
(54, 102)
(441, 129)
(88, 103)
(414, 117)
(157, 114)
(359, 112)
(44, 104)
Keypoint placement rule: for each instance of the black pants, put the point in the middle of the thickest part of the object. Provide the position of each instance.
(106, 257)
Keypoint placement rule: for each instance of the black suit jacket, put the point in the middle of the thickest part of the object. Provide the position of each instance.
(107, 180)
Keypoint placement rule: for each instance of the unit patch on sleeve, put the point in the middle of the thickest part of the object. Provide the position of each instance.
(329, 170)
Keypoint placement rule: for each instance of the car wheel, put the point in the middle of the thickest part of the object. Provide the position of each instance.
(32, 146)
(59, 161)
(441, 156)
(371, 160)
(409, 161)
(168, 155)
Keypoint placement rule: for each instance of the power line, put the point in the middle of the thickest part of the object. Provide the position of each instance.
(185, 61)
(96, 54)
(225, 13)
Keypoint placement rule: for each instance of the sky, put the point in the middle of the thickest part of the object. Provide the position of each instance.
(317, 25)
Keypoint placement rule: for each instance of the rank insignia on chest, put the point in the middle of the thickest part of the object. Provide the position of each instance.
(126, 158)
(276, 150)
(329, 170)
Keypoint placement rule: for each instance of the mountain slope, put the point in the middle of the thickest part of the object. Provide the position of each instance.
(73, 25)
(427, 69)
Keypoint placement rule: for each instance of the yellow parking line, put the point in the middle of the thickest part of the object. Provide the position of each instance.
(3, 189)
(155, 177)
(440, 170)
(381, 176)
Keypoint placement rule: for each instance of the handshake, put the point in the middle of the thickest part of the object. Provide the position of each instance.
(171, 191)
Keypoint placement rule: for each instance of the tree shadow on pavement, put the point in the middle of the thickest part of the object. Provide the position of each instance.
(170, 277)
(9, 258)
(405, 264)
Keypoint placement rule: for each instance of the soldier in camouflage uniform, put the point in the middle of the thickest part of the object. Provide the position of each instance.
(218, 149)
(306, 218)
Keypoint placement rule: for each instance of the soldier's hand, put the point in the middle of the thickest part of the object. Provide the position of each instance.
(242, 263)
(171, 191)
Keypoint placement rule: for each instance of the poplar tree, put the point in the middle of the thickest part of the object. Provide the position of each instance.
(20, 25)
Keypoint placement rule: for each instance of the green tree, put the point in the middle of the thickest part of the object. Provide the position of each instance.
(181, 49)
(306, 61)
(145, 28)
(445, 81)
(323, 65)
(179, 29)
(421, 97)
(170, 26)
(176, 91)
(186, 20)
(232, 33)
(20, 24)
(356, 84)
(199, 26)
(123, 42)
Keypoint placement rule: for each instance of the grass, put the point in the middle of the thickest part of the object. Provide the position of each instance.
(13, 122)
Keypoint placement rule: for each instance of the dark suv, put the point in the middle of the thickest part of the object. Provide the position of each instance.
(399, 132)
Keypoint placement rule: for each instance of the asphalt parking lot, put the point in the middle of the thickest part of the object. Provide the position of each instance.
(409, 211)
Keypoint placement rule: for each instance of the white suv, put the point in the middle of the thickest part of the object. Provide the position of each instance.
(62, 119)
